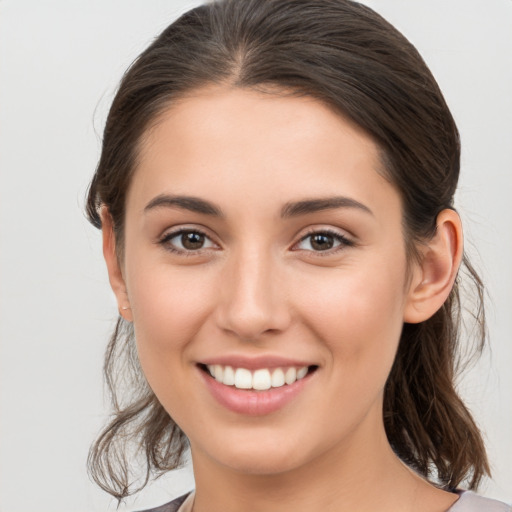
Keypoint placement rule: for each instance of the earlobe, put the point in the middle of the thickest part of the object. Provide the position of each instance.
(435, 274)
(115, 274)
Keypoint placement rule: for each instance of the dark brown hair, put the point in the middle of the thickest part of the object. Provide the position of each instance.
(346, 55)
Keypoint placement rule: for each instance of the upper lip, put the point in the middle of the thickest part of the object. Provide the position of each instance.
(254, 363)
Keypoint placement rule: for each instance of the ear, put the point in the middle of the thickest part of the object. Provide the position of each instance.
(434, 275)
(115, 274)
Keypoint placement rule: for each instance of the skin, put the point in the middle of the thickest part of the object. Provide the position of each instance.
(258, 286)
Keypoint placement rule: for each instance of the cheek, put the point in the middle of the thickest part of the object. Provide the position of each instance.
(169, 307)
(359, 317)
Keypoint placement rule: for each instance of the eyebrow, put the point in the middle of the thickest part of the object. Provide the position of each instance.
(193, 204)
(297, 208)
(291, 209)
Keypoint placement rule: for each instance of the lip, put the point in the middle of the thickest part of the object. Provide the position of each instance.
(249, 402)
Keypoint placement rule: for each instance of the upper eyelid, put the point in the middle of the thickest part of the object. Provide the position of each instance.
(332, 231)
(176, 230)
(345, 241)
(312, 230)
(164, 242)
(171, 233)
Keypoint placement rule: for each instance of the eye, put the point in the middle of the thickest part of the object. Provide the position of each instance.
(186, 241)
(322, 241)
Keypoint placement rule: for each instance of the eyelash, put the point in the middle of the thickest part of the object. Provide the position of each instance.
(343, 241)
(165, 241)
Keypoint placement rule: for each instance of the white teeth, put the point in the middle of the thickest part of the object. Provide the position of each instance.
(243, 378)
(218, 372)
(229, 376)
(290, 376)
(301, 372)
(260, 380)
(277, 378)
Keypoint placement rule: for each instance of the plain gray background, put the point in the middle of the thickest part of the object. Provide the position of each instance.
(60, 61)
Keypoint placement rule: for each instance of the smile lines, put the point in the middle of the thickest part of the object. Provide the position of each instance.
(259, 380)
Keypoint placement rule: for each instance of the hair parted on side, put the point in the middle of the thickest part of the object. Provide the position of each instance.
(346, 55)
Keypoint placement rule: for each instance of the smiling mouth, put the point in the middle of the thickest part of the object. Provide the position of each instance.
(261, 379)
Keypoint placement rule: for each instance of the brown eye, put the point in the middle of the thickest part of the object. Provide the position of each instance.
(322, 242)
(192, 240)
(187, 241)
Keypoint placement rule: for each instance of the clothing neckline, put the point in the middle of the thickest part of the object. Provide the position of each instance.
(186, 506)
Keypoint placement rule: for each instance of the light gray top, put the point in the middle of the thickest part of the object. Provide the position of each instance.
(471, 502)
(468, 502)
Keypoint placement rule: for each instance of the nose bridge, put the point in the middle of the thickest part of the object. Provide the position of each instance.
(252, 298)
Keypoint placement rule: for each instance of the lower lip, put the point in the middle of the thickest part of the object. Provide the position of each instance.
(254, 403)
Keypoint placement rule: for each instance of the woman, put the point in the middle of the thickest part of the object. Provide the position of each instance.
(275, 193)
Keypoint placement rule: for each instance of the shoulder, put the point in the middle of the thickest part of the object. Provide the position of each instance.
(172, 506)
(471, 502)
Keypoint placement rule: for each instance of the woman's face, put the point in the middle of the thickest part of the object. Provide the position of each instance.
(261, 237)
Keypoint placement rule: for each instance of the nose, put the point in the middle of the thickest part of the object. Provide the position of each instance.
(252, 298)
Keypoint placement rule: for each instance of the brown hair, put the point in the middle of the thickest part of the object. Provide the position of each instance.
(349, 57)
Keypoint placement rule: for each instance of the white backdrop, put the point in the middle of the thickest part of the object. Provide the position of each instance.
(60, 61)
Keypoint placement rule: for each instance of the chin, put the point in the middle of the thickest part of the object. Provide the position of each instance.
(261, 464)
(264, 458)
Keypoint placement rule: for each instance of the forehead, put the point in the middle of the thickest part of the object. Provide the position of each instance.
(226, 142)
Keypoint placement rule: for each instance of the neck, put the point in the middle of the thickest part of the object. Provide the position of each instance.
(360, 474)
